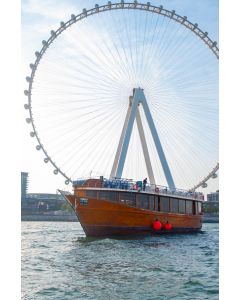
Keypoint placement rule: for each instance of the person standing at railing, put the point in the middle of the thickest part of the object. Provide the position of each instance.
(144, 184)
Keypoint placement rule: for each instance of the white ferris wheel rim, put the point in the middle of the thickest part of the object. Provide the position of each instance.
(212, 45)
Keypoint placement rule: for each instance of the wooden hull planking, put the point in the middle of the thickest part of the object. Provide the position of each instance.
(105, 218)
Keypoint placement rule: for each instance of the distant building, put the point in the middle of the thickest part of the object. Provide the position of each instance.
(24, 185)
(213, 197)
(38, 203)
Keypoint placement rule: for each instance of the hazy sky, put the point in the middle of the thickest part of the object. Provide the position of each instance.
(38, 18)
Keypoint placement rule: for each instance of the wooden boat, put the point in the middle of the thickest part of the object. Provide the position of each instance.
(121, 207)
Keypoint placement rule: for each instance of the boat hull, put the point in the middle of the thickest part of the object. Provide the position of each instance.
(105, 218)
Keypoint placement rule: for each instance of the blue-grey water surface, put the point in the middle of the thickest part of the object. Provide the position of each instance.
(59, 262)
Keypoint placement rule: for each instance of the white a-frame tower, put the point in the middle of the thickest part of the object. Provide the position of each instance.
(132, 113)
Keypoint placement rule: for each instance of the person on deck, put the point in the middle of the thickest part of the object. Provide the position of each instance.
(144, 184)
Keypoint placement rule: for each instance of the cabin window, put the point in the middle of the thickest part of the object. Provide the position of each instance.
(143, 201)
(181, 204)
(157, 203)
(91, 194)
(174, 205)
(164, 204)
(128, 198)
(151, 202)
(83, 201)
(106, 195)
(199, 208)
(196, 207)
(189, 207)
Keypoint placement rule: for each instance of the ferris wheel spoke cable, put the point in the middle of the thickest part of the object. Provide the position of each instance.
(143, 41)
(174, 30)
(100, 139)
(103, 120)
(183, 54)
(64, 140)
(91, 144)
(77, 73)
(129, 50)
(91, 130)
(101, 160)
(65, 108)
(158, 44)
(104, 63)
(178, 44)
(89, 65)
(189, 130)
(198, 56)
(150, 48)
(118, 30)
(153, 50)
(176, 74)
(115, 57)
(174, 140)
(85, 141)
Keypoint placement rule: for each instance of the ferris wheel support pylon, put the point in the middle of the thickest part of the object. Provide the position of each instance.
(137, 99)
(145, 148)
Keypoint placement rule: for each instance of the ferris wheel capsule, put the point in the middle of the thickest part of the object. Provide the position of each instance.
(55, 171)
(46, 159)
(44, 43)
(84, 11)
(32, 134)
(214, 44)
(109, 3)
(26, 92)
(32, 66)
(53, 33)
(67, 182)
(37, 54)
(205, 33)
(73, 17)
(173, 13)
(28, 120)
(26, 106)
(204, 185)
(195, 25)
(28, 79)
(62, 24)
(38, 147)
(214, 175)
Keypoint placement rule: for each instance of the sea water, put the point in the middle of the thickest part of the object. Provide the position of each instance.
(59, 262)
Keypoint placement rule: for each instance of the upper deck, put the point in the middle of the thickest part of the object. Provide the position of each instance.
(134, 186)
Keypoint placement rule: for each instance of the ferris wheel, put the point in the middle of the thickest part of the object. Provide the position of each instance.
(125, 90)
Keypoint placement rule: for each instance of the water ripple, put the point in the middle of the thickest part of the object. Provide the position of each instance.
(59, 262)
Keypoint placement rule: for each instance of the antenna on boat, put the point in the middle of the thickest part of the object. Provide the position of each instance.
(120, 157)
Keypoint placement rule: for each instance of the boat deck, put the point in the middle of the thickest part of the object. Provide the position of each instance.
(134, 186)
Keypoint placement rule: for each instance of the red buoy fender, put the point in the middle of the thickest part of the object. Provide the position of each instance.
(157, 225)
(168, 226)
